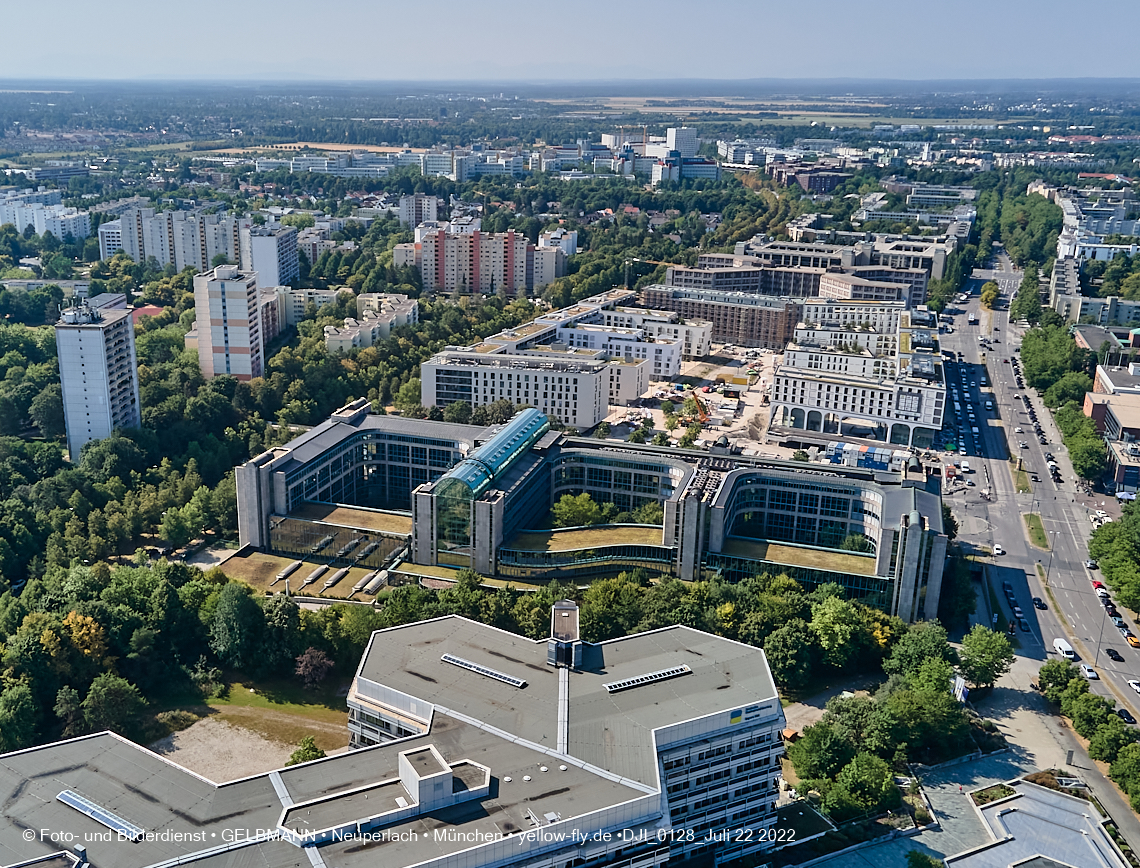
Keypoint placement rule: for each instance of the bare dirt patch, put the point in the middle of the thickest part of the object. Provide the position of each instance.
(280, 727)
(222, 752)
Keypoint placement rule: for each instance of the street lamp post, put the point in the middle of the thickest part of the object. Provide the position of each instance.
(1100, 636)
(1050, 566)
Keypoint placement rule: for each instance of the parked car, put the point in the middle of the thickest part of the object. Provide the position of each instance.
(1117, 622)
(1023, 624)
(1132, 641)
(998, 550)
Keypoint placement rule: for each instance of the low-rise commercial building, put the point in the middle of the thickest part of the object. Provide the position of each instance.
(474, 747)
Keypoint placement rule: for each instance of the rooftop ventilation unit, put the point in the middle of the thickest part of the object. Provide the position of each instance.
(483, 670)
(647, 678)
(116, 824)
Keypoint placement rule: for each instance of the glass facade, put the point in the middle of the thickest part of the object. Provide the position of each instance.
(377, 469)
(802, 511)
(453, 520)
(582, 563)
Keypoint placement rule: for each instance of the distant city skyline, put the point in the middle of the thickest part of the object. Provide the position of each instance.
(497, 41)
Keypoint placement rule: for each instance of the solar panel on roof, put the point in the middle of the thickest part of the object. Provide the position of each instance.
(647, 678)
(483, 670)
(101, 815)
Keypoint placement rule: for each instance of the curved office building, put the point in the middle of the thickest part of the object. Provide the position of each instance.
(480, 498)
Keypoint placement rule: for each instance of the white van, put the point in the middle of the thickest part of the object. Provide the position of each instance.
(1064, 649)
(966, 467)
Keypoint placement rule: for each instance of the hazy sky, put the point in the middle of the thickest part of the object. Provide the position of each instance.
(495, 40)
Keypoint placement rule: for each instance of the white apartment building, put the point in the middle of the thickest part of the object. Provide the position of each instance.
(547, 264)
(25, 211)
(695, 335)
(567, 386)
(184, 239)
(627, 348)
(377, 314)
(228, 323)
(663, 355)
(862, 369)
(98, 371)
(406, 253)
(419, 208)
(271, 251)
(393, 308)
(567, 239)
(110, 238)
(294, 302)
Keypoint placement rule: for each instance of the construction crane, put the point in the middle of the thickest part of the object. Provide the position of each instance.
(648, 261)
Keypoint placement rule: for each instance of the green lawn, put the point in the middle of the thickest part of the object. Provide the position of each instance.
(288, 697)
(1021, 480)
(585, 538)
(1037, 534)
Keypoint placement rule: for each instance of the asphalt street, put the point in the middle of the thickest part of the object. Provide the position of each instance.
(1065, 511)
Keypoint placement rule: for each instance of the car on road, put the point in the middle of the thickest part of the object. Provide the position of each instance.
(969, 483)
(1113, 654)
(998, 550)
(1023, 445)
(1135, 685)
(1089, 672)
(1038, 603)
(1018, 430)
(1034, 477)
(1125, 715)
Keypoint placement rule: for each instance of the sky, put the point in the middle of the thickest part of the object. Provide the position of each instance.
(493, 40)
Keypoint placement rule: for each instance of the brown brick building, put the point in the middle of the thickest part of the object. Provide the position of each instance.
(745, 319)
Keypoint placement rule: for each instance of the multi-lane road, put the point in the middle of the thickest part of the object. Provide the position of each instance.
(999, 519)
